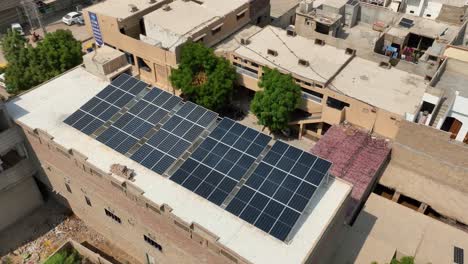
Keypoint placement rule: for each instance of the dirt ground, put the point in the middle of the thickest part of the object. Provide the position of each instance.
(38, 235)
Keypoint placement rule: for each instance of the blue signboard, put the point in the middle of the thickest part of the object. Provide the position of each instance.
(96, 29)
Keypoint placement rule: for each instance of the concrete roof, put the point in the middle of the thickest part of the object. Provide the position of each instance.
(48, 105)
(429, 28)
(281, 7)
(324, 60)
(391, 89)
(104, 54)
(186, 18)
(407, 231)
(119, 8)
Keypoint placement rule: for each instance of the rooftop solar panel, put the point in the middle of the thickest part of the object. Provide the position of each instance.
(273, 189)
(220, 161)
(99, 109)
(278, 191)
(175, 136)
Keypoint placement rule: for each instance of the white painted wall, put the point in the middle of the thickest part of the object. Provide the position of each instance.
(460, 112)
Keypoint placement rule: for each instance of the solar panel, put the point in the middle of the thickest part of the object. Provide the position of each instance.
(407, 23)
(220, 161)
(99, 109)
(139, 119)
(278, 191)
(175, 136)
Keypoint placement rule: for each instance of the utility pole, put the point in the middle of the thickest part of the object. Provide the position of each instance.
(32, 13)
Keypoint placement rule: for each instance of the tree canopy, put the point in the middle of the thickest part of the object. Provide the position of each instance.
(29, 66)
(203, 77)
(278, 99)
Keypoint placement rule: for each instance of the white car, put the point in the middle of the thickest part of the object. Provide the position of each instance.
(73, 18)
(18, 28)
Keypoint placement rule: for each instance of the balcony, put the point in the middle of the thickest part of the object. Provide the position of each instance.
(9, 138)
(16, 172)
(312, 98)
(246, 72)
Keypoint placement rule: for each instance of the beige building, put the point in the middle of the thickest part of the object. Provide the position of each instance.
(336, 85)
(150, 33)
(385, 229)
(19, 193)
(147, 215)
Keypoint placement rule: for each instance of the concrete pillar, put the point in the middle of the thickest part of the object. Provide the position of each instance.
(301, 130)
(422, 208)
(319, 129)
(396, 196)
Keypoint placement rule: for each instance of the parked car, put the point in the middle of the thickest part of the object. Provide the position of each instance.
(18, 28)
(73, 18)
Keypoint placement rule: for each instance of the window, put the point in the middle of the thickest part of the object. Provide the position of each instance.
(337, 104)
(130, 58)
(152, 242)
(428, 15)
(68, 188)
(241, 15)
(142, 64)
(88, 201)
(216, 29)
(412, 11)
(113, 216)
(254, 64)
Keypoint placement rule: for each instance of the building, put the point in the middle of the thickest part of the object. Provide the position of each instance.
(150, 33)
(337, 86)
(283, 12)
(148, 214)
(385, 229)
(10, 11)
(432, 175)
(358, 158)
(324, 17)
(452, 113)
(19, 194)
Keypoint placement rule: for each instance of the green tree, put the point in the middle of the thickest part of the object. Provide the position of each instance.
(203, 77)
(29, 66)
(280, 97)
(12, 44)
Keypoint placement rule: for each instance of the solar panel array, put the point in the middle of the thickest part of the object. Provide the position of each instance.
(221, 160)
(278, 191)
(132, 126)
(105, 104)
(273, 190)
(174, 138)
(405, 22)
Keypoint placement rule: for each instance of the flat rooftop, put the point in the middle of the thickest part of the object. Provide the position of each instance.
(281, 7)
(391, 89)
(48, 105)
(185, 18)
(441, 31)
(324, 60)
(120, 8)
(384, 227)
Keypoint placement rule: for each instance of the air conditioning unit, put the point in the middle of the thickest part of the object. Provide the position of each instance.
(132, 8)
(151, 1)
(245, 41)
(166, 7)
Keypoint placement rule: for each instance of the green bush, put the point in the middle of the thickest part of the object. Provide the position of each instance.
(70, 256)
